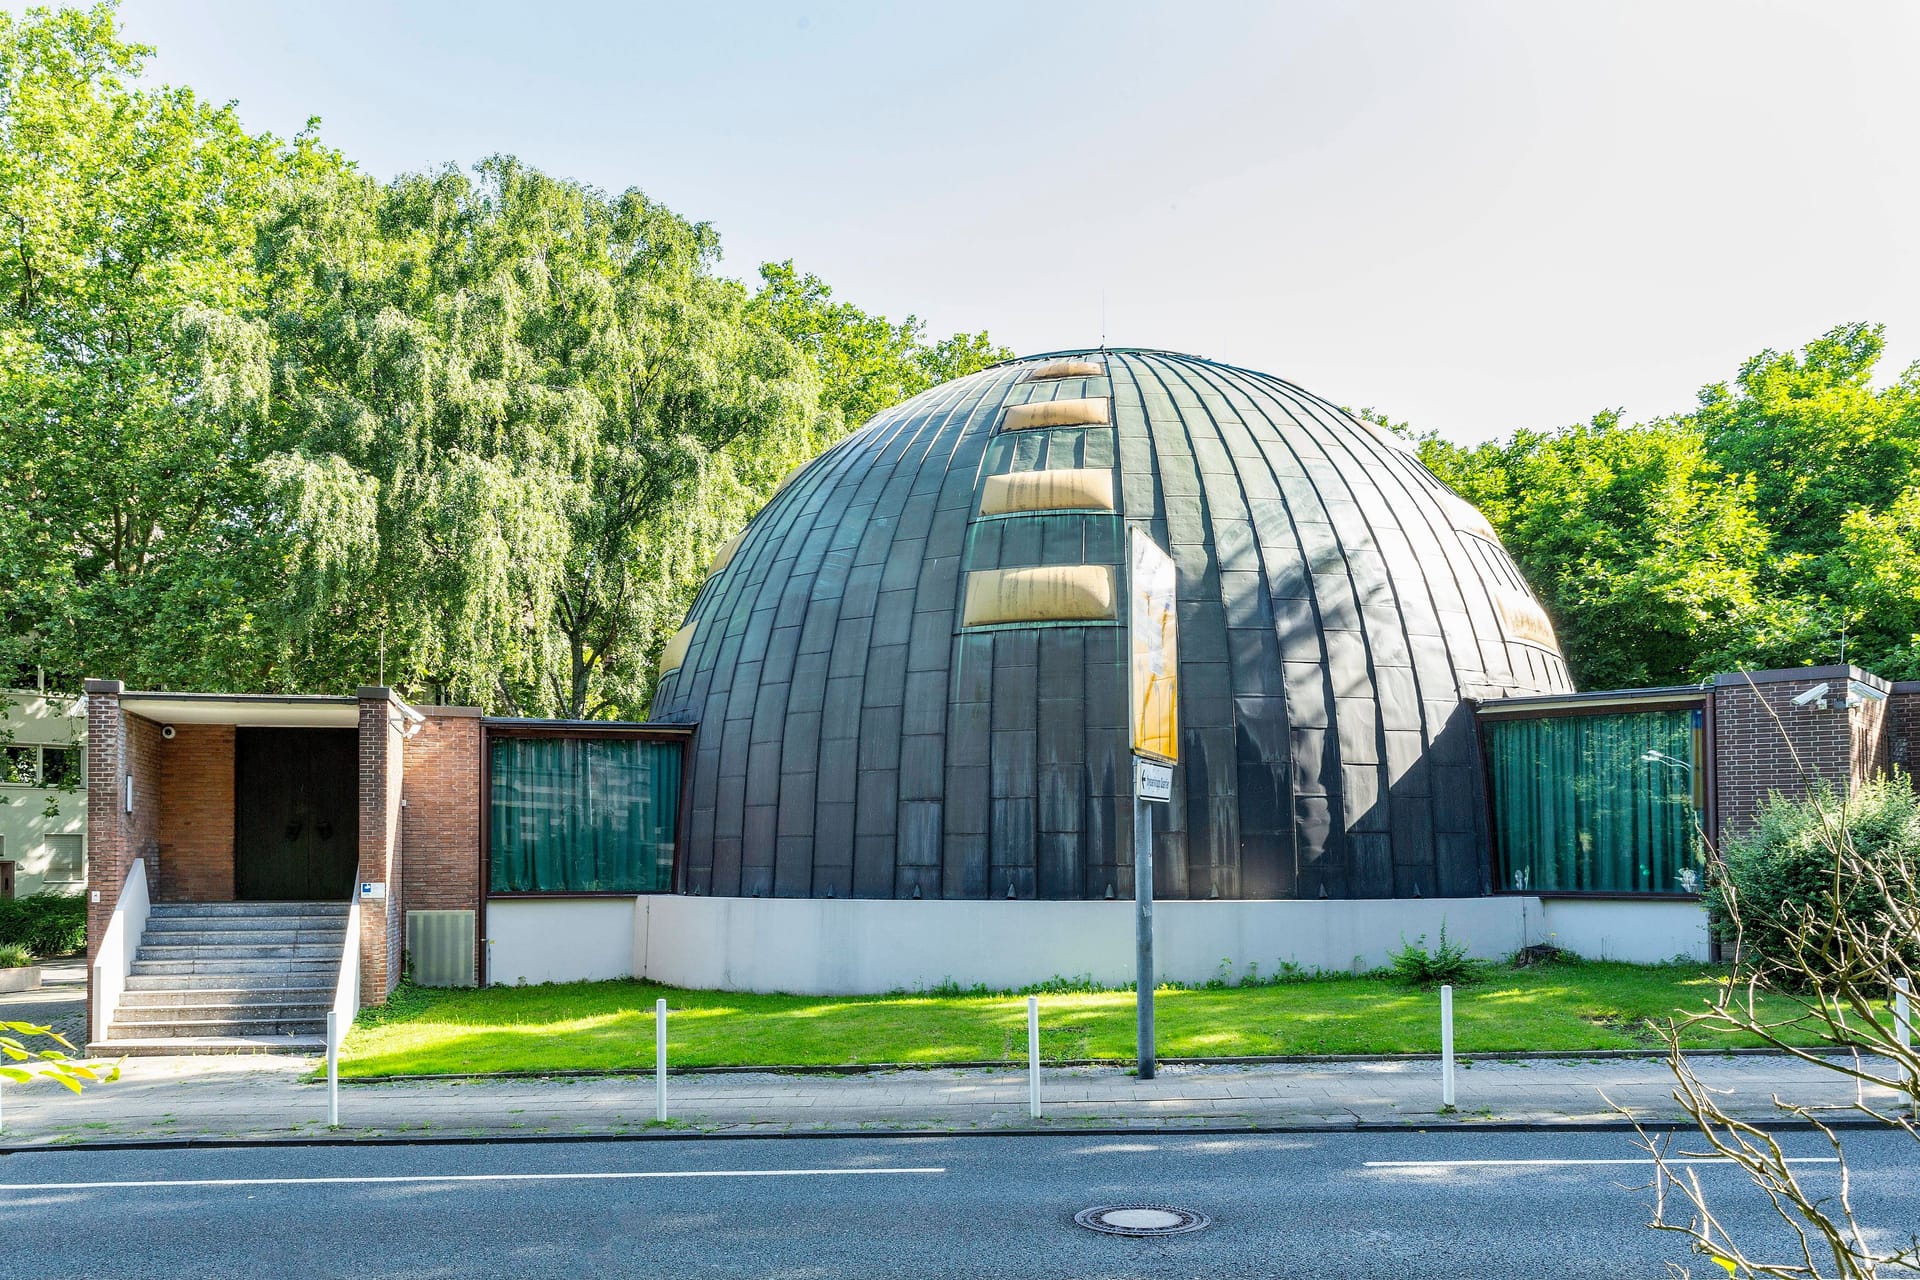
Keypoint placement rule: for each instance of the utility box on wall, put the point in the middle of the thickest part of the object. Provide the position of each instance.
(440, 948)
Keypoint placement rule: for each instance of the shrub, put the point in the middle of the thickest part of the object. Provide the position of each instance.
(13, 955)
(1786, 879)
(46, 924)
(1446, 963)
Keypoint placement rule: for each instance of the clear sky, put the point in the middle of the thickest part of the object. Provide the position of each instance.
(1473, 216)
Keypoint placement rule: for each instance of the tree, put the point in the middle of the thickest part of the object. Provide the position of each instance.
(866, 362)
(522, 414)
(133, 385)
(1643, 550)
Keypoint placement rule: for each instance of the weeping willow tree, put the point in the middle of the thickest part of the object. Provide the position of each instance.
(527, 414)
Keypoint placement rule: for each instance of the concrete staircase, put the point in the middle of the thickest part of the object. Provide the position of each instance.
(230, 977)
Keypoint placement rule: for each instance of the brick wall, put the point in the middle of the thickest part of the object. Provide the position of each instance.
(1765, 744)
(119, 746)
(196, 816)
(1903, 726)
(382, 776)
(440, 828)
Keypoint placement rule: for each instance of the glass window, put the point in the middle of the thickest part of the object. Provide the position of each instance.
(66, 860)
(583, 815)
(17, 765)
(1596, 804)
(59, 766)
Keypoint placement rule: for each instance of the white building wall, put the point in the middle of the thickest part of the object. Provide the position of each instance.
(37, 720)
(846, 947)
(1643, 932)
(558, 939)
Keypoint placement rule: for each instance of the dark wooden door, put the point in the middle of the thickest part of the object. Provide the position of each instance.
(296, 814)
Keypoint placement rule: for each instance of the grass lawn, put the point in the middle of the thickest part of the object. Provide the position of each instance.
(597, 1025)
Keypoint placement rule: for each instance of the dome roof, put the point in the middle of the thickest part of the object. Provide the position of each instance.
(908, 671)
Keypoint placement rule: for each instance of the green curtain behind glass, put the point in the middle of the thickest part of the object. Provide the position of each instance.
(584, 815)
(1579, 805)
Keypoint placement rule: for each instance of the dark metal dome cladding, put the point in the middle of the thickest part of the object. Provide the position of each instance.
(889, 707)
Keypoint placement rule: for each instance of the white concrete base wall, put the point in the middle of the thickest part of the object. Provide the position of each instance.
(1647, 932)
(559, 939)
(860, 946)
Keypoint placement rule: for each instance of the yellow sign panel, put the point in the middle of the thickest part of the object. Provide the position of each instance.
(1153, 654)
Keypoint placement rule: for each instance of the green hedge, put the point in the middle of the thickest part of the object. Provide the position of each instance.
(47, 924)
(1785, 868)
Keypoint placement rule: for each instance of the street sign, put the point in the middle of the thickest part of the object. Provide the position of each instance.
(1152, 781)
(1153, 652)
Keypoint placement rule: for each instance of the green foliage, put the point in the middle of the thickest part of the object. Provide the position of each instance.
(45, 923)
(1787, 876)
(14, 956)
(267, 424)
(1446, 963)
(1751, 532)
(23, 1063)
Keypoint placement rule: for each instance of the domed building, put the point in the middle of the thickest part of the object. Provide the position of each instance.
(909, 673)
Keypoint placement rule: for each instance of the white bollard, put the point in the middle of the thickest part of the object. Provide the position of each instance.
(660, 1060)
(1446, 1046)
(1903, 1025)
(1033, 1056)
(333, 1072)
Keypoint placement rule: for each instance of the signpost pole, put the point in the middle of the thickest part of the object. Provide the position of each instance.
(1143, 932)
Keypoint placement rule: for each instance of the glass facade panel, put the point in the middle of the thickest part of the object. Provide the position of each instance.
(1596, 804)
(583, 815)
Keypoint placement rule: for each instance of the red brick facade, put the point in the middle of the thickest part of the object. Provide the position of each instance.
(196, 822)
(1764, 744)
(383, 720)
(119, 747)
(440, 829)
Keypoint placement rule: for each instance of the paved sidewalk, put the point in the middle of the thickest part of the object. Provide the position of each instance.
(270, 1098)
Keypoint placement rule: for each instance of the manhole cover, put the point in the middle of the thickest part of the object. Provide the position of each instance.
(1141, 1219)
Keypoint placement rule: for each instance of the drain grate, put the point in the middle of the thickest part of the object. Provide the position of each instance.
(1141, 1220)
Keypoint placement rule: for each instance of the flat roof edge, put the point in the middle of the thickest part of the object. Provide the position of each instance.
(1597, 699)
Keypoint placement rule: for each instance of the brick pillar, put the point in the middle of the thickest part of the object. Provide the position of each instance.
(382, 764)
(440, 827)
(119, 747)
(1764, 744)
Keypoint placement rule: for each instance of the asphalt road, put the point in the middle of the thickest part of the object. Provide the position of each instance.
(1402, 1205)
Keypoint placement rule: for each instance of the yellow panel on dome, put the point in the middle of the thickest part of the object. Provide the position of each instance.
(1522, 618)
(1466, 517)
(1092, 411)
(725, 556)
(1067, 369)
(676, 650)
(1056, 593)
(1069, 489)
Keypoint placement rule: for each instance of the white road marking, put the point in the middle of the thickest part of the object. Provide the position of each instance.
(1548, 1164)
(460, 1177)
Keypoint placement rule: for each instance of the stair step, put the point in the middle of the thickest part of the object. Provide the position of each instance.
(235, 997)
(236, 950)
(245, 979)
(154, 1029)
(164, 910)
(158, 1046)
(246, 924)
(243, 1010)
(268, 968)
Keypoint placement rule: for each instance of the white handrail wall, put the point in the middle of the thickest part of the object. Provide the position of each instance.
(346, 989)
(118, 947)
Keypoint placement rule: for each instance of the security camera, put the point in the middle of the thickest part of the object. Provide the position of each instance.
(1858, 693)
(166, 731)
(1815, 695)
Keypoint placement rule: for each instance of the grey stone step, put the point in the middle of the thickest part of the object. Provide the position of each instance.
(244, 925)
(245, 979)
(156, 1046)
(164, 910)
(230, 997)
(172, 1029)
(238, 951)
(300, 966)
(238, 938)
